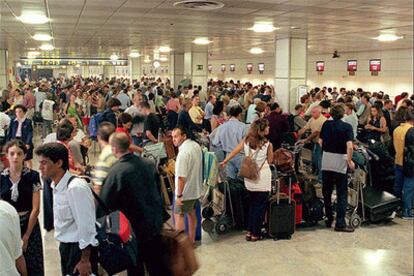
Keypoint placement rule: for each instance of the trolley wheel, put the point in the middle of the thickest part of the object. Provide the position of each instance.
(208, 225)
(222, 228)
(355, 221)
(289, 237)
(207, 212)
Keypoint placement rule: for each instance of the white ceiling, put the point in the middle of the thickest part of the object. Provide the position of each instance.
(98, 28)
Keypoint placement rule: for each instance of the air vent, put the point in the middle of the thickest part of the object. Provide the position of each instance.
(202, 5)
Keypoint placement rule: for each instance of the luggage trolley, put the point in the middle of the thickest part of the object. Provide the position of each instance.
(218, 219)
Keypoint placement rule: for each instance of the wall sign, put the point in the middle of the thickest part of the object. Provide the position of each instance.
(249, 68)
(223, 68)
(320, 66)
(261, 68)
(352, 65)
(200, 67)
(374, 66)
(232, 67)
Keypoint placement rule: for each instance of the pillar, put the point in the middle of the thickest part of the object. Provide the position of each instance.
(3, 70)
(134, 68)
(109, 71)
(290, 70)
(176, 68)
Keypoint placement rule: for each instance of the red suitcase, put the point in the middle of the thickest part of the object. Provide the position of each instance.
(296, 194)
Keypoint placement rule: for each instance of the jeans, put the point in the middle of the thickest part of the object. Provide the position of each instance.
(233, 166)
(340, 181)
(317, 160)
(46, 128)
(404, 189)
(257, 208)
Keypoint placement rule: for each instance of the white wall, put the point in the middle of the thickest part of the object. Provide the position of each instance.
(396, 74)
(241, 72)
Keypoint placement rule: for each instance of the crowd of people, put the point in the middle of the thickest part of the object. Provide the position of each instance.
(124, 117)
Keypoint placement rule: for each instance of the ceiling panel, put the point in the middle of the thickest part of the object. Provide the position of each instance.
(102, 27)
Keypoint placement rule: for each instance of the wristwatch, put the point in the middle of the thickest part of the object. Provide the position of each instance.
(179, 196)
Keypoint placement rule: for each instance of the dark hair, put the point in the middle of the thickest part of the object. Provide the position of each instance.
(55, 152)
(350, 105)
(378, 108)
(105, 130)
(17, 143)
(297, 107)
(145, 105)
(64, 130)
(183, 130)
(401, 114)
(337, 112)
(22, 107)
(366, 96)
(218, 108)
(113, 102)
(235, 110)
(325, 104)
(275, 106)
(379, 104)
(121, 141)
(124, 118)
(387, 102)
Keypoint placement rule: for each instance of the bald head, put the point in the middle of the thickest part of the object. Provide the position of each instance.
(119, 142)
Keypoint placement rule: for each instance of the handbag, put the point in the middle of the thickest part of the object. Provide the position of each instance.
(249, 168)
(117, 249)
(180, 250)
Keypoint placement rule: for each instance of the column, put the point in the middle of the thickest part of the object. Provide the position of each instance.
(176, 68)
(290, 70)
(109, 71)
(3, 70)
(134, 68)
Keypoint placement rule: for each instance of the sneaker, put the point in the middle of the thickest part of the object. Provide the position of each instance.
(344, 229)
(408, 217)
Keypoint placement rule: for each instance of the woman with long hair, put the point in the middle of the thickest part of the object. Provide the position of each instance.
(377, 125)
(73, 109)
(256, 145)
(20, 186)
(218, 117)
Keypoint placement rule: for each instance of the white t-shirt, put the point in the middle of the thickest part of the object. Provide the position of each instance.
(189, 165)
(10, 240)
(47, 110)
(79, 136)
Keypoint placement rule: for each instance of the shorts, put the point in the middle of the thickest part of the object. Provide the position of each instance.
(187, 207)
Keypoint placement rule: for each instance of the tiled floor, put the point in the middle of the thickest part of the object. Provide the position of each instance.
(383, 249)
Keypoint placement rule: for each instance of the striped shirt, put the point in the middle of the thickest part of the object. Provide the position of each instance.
(105, 161)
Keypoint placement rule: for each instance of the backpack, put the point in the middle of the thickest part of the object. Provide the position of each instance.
(94, 125)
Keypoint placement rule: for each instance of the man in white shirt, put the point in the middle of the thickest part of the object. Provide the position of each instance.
(188, 180)
(12, 261)
(138, 118)
(351, 118)
(73, 211)
(47, 107)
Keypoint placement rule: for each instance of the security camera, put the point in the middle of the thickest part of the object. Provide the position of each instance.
(335, 54)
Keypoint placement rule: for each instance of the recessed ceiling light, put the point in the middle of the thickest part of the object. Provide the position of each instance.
(134, 54)
(77, 65)
(42, 37)
(263, 27)
(164, 49)
(201, 41)
(163, 59)
(294, 27)
(114, 57)
(47, 47)
(256, 50)
(33, 18)
(156, 64)
(388, 37)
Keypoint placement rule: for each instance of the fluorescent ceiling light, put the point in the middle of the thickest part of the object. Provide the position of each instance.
(114, 57)
(47, 47)
(42, 37)
(256, 50)
(164, 49)
(263, 27)
(33, 18)
(388, 37)
(134, 54)
(201, 41)
(163, 58)
(33, 53)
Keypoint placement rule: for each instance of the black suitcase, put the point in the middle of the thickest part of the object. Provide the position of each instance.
(379, 205)
(281, 215)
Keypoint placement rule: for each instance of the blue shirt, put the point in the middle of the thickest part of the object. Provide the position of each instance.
(208, 110)
(251, 111)
(353, 121)
(229, 135)
(124, 99)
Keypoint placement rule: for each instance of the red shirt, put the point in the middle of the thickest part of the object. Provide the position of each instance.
(71, 160)
(126, 131)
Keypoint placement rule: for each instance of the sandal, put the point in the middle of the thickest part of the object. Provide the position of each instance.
(248, 236)
(255, 239)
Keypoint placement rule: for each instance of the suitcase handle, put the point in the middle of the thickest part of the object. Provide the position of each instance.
(278, 191)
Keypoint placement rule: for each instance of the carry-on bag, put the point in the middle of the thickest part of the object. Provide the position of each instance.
(379, 205)
(297, 196)
(180, 250)
(281, 215)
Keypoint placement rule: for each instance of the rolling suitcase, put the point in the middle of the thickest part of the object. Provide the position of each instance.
(281, 215)
(297, 196)
(379, 205)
